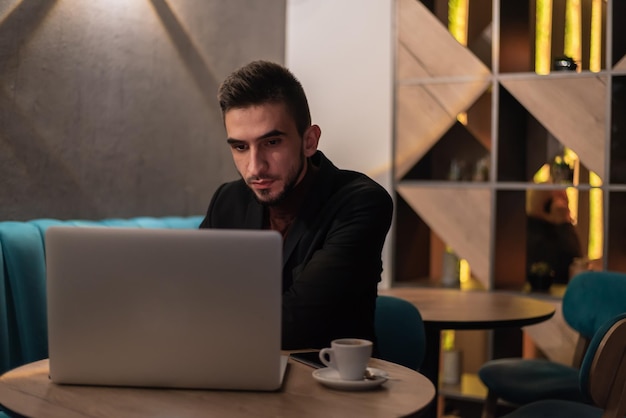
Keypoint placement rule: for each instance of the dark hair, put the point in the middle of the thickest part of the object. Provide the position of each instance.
(265, 82)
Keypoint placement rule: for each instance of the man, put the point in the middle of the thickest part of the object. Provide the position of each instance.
(333, 222)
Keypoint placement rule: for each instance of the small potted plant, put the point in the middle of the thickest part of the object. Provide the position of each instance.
(540, 276)
(561, 171)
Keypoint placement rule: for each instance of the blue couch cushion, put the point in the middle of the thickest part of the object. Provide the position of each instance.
(25, 285)
(5, 347)
(23, 323)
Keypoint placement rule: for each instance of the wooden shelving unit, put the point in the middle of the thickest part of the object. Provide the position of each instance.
(458, 106)
(462, 104)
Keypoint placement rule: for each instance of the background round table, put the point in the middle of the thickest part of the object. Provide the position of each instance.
(473, 309)
(455, 309)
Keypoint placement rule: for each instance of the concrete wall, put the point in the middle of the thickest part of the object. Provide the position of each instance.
(107, 107)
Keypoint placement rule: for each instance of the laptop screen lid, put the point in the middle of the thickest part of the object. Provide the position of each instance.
(164, 307)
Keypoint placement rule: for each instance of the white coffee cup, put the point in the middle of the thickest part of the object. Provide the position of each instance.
(349, 356)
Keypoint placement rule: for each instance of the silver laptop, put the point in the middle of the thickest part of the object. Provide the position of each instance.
(165, 307)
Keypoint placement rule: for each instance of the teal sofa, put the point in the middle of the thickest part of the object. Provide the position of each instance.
(23, 324)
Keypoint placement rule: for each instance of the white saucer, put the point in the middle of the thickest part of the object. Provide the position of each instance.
(330, 377)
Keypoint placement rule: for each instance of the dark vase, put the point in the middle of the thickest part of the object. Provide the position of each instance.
(540, 282)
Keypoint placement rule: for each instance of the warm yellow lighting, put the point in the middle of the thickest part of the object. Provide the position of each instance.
(457, 19)
(543, 36)
(8, 11)
(572, 198)
(595, 217)
(571, 159)
(462, 118)
(447, 340)
(573, 30)
(595, 42)
(464, 271)
(594, 180)
(543, 174)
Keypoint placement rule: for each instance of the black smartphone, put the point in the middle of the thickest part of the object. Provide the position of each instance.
(310, 358)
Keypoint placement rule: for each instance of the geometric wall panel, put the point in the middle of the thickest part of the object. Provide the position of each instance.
(621, 65)
(407, 65)
(556, 339)
(425, 113)
(570, 108)
(461, 216)
(434, 49)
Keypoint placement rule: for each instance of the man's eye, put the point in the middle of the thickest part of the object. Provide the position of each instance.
(239, 147)
(273, 141)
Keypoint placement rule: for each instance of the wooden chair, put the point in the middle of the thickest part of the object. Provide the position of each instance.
(590, 300)
(602, 380)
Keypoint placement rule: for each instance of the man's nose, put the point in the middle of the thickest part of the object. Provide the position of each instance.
(257, 163)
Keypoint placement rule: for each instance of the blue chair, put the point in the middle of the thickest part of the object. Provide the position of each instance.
(602, 380)
(400, 333)
(591, 299)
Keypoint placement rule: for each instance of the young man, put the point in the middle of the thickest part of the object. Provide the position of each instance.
(333, 222)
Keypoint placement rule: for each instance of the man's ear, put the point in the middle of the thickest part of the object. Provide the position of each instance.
(311, 140)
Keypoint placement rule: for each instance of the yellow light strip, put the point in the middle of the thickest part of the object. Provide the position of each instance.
(543, 174)
(457, 19)
(571, 158)
(595, 217)
(458, 11)
(447, 340)
(573, 31)
(596, 234)
(464, 271)
(595, 42)
(543, 36)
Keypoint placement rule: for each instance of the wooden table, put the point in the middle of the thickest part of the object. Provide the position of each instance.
(28, 391)
(455, 309)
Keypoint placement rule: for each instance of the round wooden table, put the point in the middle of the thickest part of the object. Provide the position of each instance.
(473, 309)
(27, 390)
(456, 309)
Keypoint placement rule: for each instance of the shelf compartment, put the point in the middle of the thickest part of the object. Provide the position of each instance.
(469, 22)
(427, 49)
(618, 131)
(619, 35)
(513, 239)
(463, 152)
(519, 26)
(570, 110)
(616, 254)
(426, 112)
(465, 222)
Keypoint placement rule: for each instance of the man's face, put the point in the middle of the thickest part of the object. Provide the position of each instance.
(267, 150)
